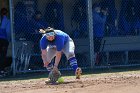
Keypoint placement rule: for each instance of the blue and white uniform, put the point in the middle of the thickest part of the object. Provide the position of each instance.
(62, 43)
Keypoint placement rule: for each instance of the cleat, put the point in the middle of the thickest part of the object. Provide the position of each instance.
(78, 73)
(47, 81)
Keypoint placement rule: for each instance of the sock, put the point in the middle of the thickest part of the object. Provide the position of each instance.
(73, 63)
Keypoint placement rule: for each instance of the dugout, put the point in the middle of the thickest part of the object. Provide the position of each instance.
(67, 19)
(66, 8)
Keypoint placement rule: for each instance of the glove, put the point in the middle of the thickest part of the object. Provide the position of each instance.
(50, 67)
(78, 72)
(54, 75)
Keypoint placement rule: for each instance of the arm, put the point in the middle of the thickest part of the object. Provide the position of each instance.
(57, 59)
(59, 47)
(44, 57)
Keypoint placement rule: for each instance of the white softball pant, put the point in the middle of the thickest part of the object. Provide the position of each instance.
(68, 50)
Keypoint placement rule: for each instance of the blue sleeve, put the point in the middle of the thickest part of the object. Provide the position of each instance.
(43, 43)
(97, 18)
(60, 43)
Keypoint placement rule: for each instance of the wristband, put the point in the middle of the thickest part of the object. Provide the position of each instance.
(55, 65)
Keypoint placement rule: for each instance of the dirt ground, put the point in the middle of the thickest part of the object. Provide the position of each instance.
(110, 83)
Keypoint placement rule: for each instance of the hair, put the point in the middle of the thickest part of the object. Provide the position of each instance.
(4, 11)
(38, 12)
(96, 5)
(49, 29)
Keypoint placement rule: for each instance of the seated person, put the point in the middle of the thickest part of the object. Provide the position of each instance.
(36, 23)
(111, 17)
(54, 14)
(79, 19)
(20, 20)
(127, 18)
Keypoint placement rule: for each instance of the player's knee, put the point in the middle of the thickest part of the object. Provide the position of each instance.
(70, 55)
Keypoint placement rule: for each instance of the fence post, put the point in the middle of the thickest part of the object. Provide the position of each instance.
(90, 28)
(12, 36)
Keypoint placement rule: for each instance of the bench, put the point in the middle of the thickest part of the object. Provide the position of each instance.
(82, 51)
(23, 51)
(120, 44)
(81, 45)
(112, 44)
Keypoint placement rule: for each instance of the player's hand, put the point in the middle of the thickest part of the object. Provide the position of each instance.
(41, 31)
(55, 69)
(49, 66)
(46, 64)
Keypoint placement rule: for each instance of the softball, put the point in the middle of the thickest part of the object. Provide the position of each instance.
(60, 80)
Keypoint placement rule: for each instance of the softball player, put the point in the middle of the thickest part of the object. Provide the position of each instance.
(52, 44)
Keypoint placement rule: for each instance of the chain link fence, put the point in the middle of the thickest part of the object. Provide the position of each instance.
(32, 15)
(115, 27)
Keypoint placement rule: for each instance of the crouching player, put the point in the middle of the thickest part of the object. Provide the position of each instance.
(55, 42)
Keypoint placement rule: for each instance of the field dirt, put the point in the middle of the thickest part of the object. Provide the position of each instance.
(108, 83)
